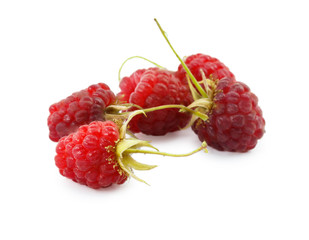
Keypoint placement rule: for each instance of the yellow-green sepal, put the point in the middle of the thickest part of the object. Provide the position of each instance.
(130, 162)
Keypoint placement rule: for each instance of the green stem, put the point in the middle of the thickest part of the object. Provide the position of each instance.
(184, 108)
(167, 154)
(202, 116)
(195, 82)
(119, 78)
(123, 129)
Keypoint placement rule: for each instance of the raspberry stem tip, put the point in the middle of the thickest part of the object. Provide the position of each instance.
(193, 79)
(119, 72)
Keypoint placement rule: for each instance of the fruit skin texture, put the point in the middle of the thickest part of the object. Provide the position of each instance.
(155, 87)
(211, 67)
(235, 122)
(78, 109)
(87, 156)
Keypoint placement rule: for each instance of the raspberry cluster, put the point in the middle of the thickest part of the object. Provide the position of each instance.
(90, 126)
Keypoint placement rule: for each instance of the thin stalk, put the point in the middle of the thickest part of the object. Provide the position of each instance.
(184, 108)
(123, 129)
(195, 82)
(119, 78)
(203, 146)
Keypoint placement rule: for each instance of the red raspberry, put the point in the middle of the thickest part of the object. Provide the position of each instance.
(87, 156)
(80, 108)
(155, 87)
(235, 122)
(211, 67)
(98, 155)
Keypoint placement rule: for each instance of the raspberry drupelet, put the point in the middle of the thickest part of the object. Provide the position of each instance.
(155, 87)
(80, 108)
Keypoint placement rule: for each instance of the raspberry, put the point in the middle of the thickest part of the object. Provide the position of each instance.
(97, 155)
(155, 87)
(80, 108)
(88, 157)
(235, 121)
(211, 67)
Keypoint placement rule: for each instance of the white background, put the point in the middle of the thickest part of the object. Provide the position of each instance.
(49, 49)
